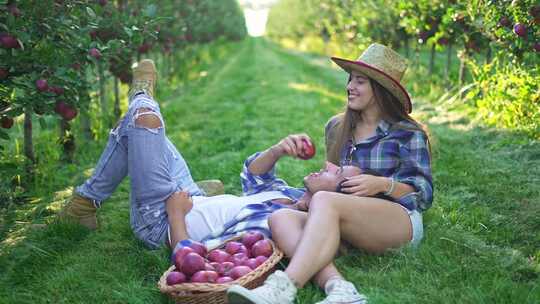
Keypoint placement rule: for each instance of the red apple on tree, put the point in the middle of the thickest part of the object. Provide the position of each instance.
(42, 85)
(66, 111)
(4, 73)
(504, 22)
(6, 122)
(9, 42)
(520, 29)
(14, 10)
(103, 2)
(536, 47)
(95, 53)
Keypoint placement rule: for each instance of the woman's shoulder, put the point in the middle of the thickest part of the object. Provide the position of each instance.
(407, 130)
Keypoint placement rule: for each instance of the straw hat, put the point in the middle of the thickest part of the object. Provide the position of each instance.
(383, 65)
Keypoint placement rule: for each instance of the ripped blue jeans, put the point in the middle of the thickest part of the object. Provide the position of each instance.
(154, 165)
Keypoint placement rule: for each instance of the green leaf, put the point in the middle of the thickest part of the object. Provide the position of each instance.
(91, 12)
(42, 123)
(150, 11)
(4, 135)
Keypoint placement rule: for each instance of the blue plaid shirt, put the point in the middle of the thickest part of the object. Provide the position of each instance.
(254, 216)
(397, 153)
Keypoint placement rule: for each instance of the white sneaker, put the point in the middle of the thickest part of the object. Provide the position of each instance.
(339, 291)
(277, 289)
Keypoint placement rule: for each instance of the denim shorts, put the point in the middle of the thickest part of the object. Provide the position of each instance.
(417, 226)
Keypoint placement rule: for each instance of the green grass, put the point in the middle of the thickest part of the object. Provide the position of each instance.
(481, 241)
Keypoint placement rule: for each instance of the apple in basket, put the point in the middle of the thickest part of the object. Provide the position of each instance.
(180, 254)
(251, 263)
(218, 255)
(251, 238)
(223, 280)
(261, 259)
(176, 277)
(235, 247)
(199, 248)
(192, 263)
(224, 268)
(204, 276)
(262, 247)
(239, 271)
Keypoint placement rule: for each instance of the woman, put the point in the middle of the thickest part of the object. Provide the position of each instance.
(378, 210)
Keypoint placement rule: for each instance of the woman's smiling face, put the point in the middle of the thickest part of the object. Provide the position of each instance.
(359, 92)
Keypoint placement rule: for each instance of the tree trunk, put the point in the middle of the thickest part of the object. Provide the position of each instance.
(462, 71)
(488, 55)
(116, 100)
(68, 141)
(448, 63)
(28, 145)
(102, 99)
(432, 60)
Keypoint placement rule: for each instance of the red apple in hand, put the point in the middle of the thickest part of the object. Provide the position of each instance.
(176, 277)
(308, 149)
(7, 122)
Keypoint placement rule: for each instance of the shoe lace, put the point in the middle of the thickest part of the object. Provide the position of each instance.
(279, 287)
(341, 290)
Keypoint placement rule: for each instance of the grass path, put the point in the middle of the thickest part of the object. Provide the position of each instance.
(482, 243)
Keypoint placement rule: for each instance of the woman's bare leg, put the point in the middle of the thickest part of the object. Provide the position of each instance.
(287, 228)
(371, 224)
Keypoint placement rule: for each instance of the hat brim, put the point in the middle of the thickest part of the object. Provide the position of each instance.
(391, 84)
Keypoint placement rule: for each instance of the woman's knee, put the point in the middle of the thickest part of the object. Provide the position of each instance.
(321, 200)
(147, 118)
(279, 217)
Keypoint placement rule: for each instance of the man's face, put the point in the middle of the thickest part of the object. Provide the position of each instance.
(328, 178)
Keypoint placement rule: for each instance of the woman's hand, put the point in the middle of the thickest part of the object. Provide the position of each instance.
(179, 204)
(365, 185)
(290, 145)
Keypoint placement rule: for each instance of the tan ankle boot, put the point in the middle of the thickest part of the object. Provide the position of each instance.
(144, 77)
(80, 210)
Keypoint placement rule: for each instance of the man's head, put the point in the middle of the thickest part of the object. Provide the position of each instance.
(329, 178)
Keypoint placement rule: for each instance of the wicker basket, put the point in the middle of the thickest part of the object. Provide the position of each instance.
(212, 293)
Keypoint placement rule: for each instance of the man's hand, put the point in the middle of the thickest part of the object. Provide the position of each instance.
(291, 145)
(179, 204)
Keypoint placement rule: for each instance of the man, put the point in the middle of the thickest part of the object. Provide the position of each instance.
(166, 205)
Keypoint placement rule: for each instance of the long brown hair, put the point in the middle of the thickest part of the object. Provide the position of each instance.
(392, 111)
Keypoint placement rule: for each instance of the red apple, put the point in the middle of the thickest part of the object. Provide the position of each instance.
(176, 277)
(520, 29)
(225, 267)
(251, 263)
(534, 11)
(42, 85)
(504, 22)
(66, 111)
(6, 122)
(239, 258)
(57, 90)
(178, 256)
(233, 247)
(261, 259)
(262, 247)
(199, 248)
(103, 2)
(223, 280)
(14, 10)
(239, 271)
(9, 42)
(208, 266)
(144, 48)
(204, 276)
(94, 53)
(443, 41)
(251, 237)
(537, 47)
(4, 73)
(192, 263)
(308, 149)
(218, 255)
